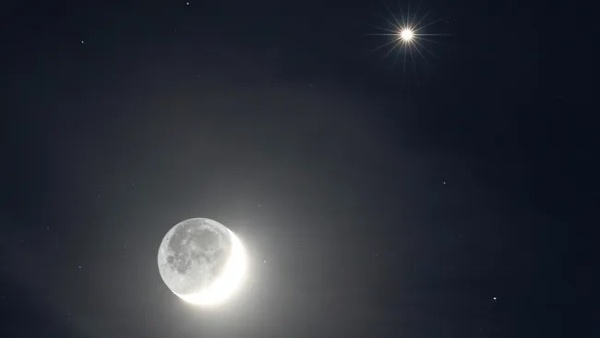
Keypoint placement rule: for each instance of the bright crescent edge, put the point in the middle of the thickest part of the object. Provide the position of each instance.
(227, 283)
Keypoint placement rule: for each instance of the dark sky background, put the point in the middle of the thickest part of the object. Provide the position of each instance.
(373, 201)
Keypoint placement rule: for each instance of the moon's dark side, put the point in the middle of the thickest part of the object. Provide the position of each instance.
(193, 253)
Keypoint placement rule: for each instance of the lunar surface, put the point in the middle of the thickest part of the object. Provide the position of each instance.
(202, 261)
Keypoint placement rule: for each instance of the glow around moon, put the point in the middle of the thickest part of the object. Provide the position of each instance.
(202, 262)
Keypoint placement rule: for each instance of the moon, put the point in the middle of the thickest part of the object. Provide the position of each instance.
(202, 261)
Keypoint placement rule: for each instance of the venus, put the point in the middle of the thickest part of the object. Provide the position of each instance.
(202, 261)
(406, 34)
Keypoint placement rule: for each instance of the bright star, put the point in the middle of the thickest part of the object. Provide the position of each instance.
(409, 35)
(406, 34)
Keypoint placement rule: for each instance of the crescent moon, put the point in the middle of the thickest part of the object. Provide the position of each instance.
(227, 283)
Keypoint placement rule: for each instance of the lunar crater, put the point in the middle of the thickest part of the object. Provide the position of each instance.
(193, 255)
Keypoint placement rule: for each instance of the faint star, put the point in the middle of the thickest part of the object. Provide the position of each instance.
(444, 182)
(82, 42)
(79, 267)
(495, 298)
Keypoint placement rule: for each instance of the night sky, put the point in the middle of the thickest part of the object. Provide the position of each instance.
(456, 195)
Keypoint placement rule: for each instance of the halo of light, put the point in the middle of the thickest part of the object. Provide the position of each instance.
(227, 283)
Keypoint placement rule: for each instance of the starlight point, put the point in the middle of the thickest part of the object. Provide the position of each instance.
(406, 34)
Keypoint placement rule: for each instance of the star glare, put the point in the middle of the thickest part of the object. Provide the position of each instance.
(408, 35)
